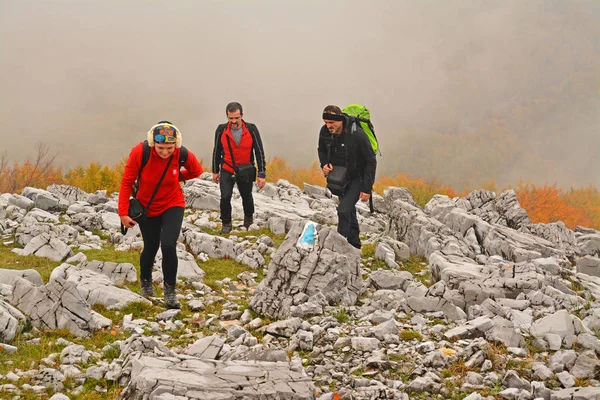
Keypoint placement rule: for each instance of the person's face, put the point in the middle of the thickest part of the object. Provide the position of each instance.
(164, 150)
(334, 126)
(235, 119)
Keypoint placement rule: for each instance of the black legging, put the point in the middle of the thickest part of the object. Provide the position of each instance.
(226, 182)
(162, 230)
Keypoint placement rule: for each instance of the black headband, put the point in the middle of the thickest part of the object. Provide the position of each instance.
(333, 117)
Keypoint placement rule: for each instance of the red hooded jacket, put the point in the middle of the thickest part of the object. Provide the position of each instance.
(169, 193)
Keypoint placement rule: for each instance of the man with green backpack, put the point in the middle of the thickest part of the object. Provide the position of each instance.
(347, 158)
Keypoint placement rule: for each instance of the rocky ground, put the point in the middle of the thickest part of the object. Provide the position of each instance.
(462, 299)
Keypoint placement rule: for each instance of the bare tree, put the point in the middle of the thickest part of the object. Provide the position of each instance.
(42, 163)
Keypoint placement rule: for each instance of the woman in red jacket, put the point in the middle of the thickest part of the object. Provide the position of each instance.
(164, 217)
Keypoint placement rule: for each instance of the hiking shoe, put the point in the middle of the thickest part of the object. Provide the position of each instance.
(248, 220)
(225, 229)
(146, 288)
(170, 299)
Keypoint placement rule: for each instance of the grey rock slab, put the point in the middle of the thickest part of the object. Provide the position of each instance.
(40, 215)
(71, 194)
(20, 201)
(96, 288)
(11, 321)
(560, 323)
(8, 276)
(364, 343)
(206, 348)
(49, 247)
(541, 371)
(434, 304)
(565, 379)
(474, 328)
(59, 396)
(555, 232)
(515, 394)
(586, 366)
(506, 332)
(194, 378)
(306, 309)
(562, 359)
(50, 378)
(119, 273)
(391, 280)
(589, 244)
(589, 265)
(251, 258)
(503, 209)
(512, 380)
(285, 328)
(386, 328)
(168, 315)
(578, 393)
(384, 252)
(454, 269)
(213, 246)
(56, 305)
(423, 234)
(332, 267)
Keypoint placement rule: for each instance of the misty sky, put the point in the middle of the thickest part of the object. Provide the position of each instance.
(511, 88)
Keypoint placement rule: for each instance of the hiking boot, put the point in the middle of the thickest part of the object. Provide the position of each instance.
(248, 220)
(146, 288)
(225, 229)
(170, 299)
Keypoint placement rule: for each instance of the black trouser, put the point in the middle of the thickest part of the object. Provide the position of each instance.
(226, 182)
(347, 221)
(162, 230)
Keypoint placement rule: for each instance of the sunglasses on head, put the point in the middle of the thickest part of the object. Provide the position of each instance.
(164, 139)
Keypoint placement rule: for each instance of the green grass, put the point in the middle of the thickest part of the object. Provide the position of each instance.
(410, 335)
(10, 260)
(110, 254)
(218, 269)
(342, 315)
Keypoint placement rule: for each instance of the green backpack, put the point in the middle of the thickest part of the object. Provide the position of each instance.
(360, 114)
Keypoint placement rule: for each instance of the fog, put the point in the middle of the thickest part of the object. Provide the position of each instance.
(459, 91)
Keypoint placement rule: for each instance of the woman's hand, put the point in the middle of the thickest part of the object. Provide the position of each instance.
(127, 221)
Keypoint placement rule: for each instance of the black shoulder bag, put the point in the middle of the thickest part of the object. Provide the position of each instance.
(136, 211)
(244, 173)
(338, 178)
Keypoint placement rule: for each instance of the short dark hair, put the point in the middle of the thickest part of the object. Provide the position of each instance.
(332, 110)
(233, 107)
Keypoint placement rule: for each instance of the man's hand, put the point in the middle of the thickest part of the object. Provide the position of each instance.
(364, 196)
(215, 178)
(327, 168)
(127, 221)
(261, 183)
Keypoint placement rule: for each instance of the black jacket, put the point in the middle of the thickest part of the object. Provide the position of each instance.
(360, 160)
(257, 149)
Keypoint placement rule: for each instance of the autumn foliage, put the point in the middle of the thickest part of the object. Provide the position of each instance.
(545, 203)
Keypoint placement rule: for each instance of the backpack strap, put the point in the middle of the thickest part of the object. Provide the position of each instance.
(183, 156)
(145, 157)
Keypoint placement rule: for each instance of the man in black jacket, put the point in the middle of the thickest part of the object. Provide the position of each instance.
(343, 144)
